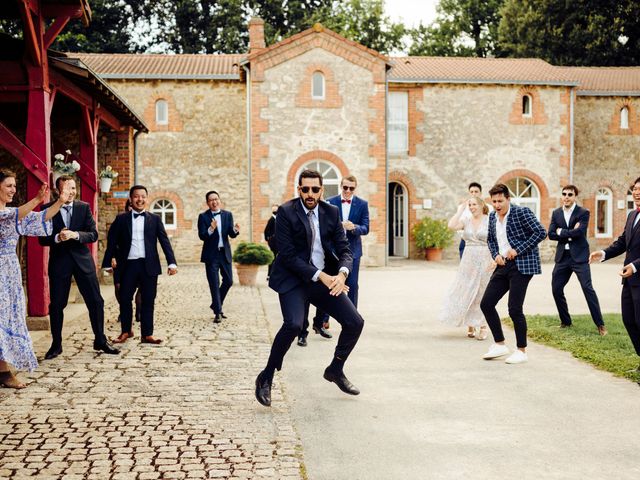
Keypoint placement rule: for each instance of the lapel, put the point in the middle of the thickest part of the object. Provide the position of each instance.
(129, 222)
(573, 215)
(631, 230)
(148, 228)
(337, 202)
(511, 220)
(297, 206)
(352, 210)
(75, 215)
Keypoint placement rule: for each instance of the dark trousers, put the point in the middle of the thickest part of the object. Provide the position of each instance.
(59, 287)
(561, 275)
(215, 269)
(134, 275)
(295, 303)
(630, 302)
(352, 282)
(506, 279)
(138, 299)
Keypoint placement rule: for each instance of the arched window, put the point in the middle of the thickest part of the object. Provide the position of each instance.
(624, 118)
(167, 211)
(330, 177)
(525, 193)
(526, 105)
(604, 213)
(162, 112)
(317, 86)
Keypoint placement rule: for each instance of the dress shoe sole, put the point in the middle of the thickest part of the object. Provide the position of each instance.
(260, 400)
(341, 386)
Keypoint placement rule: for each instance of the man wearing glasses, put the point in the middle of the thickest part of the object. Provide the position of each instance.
(354, 215)
(569, 225)
(313, 262)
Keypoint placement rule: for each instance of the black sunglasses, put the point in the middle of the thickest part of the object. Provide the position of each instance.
(313, 189)
(567, 194)
(345, 188)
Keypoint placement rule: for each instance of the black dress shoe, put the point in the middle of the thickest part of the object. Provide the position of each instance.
(105, 347)
(53, 352)
(302, 341)
(341, 381)
(223, 315)
(263, 389)
(217, 318)
(565, 325)
(323, 332)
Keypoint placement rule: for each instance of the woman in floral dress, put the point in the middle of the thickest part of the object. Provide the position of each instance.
(461, 306)
(16, 350)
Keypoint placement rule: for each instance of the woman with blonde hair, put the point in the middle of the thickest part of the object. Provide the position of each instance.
(461, 306)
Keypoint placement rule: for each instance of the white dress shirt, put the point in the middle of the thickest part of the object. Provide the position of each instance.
(567, 216)
(346, 208)
(501, 234)
(66, 218)
(218, 219)
(137, 236)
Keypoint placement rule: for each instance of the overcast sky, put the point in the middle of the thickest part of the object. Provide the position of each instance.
(411, 12)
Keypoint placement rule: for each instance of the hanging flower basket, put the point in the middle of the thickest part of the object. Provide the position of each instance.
(105, 185)
(106, 178)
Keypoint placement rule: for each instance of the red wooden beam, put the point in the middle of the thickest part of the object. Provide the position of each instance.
(54, 30)
(30, 34)
(108, 118)
(69, 89)
(19, 150)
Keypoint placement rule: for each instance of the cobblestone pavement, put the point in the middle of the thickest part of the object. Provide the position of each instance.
(185, 409)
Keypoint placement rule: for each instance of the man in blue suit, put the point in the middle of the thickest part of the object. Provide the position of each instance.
(568, 227)
(215, 226)
(513, 238)
(354, 216)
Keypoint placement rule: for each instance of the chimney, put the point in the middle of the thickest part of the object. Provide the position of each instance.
(256, 35)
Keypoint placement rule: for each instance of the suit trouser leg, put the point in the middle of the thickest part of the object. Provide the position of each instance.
(128, 284)
(59, 287)
(148, 288)
(90, 291)
(583, 272)
(293, 305)
(630, 303)
(352, 282)
(213, 278)
(497, 287)
(226, 271)
(561, 274)
(518, 284)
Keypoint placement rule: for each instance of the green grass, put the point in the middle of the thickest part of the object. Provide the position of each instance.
(613, 353)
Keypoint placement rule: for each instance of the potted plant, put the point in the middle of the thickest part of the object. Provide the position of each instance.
(63, 167)
(107, 175)
(432, 236)
(248, 256)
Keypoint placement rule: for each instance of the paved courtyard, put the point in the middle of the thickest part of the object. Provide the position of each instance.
(429, 408)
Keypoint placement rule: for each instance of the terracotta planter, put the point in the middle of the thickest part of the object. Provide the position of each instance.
(105, 184)
(247, 274)
(433, 254)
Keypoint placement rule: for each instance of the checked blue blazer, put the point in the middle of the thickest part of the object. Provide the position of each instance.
(524, 233)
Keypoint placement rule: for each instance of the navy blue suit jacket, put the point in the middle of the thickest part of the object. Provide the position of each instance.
(575, 237)
(359, 216)
(210, 251)
(292, 266)
(628, 243)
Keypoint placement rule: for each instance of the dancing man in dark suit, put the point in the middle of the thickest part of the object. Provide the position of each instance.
(215, 226)
(313, 263)
(73, 228)
(513, 238)
(629, 244)
(354, 215)
(133, 248)
(569, 226)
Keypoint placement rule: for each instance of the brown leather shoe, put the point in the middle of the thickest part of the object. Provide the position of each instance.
(602, 330)
(123, 337)
(151, 340)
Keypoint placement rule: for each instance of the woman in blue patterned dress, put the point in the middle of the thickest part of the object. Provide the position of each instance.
(16, 350)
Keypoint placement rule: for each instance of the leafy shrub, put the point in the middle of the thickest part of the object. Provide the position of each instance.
(432, 233)
(249, 253)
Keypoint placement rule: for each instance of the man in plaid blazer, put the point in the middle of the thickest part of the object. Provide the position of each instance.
(513, 238)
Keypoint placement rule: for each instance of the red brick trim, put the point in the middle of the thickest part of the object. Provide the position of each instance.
(332, 98)
(547, 204)
(406, 182)
(175, 122)
(306, 158)
(183, 225)
(538, 117)
(565, 138)
(634, 120)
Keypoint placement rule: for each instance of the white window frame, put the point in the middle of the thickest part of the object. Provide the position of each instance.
(631, 205)
(518, 195)
(314, 95)
(163, 206)
(162, 112)
(330, 177)
(606, 195)
(527, 101)
(398, 122)
(624, 118)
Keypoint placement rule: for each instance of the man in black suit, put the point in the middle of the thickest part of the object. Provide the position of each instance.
(270, 236)
(215, 226)
(569, 225)
(312, 265)
(73, 228)
(133, 248)
(629, 244)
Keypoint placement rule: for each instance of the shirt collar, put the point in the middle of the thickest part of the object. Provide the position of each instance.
(216, 211)
(573, 207)
(306, 210)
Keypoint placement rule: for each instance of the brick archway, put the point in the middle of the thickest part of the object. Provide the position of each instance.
(182, 225)
(546, 202)
(308, 157)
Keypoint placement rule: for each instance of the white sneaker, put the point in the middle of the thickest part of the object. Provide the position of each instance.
(496, 351)
(517, 357)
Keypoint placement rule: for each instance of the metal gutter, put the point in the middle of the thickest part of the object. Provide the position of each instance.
(604, 93)
(486, 82)
(164, 76)
(571, 134)
(248, 90)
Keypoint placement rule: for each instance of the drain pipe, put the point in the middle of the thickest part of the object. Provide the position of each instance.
(386, 170)
(248, 90)
(571, 128)
(135, 156)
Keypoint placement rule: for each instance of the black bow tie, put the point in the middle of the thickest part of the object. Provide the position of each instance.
(215, 213)
(136, 215)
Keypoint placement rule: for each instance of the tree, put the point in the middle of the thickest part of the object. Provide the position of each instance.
(466, 28)
(578, 32)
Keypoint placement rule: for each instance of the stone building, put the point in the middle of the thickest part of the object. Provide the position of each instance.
(413, 130)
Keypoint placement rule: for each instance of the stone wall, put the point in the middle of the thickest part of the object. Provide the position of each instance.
(202, 148)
